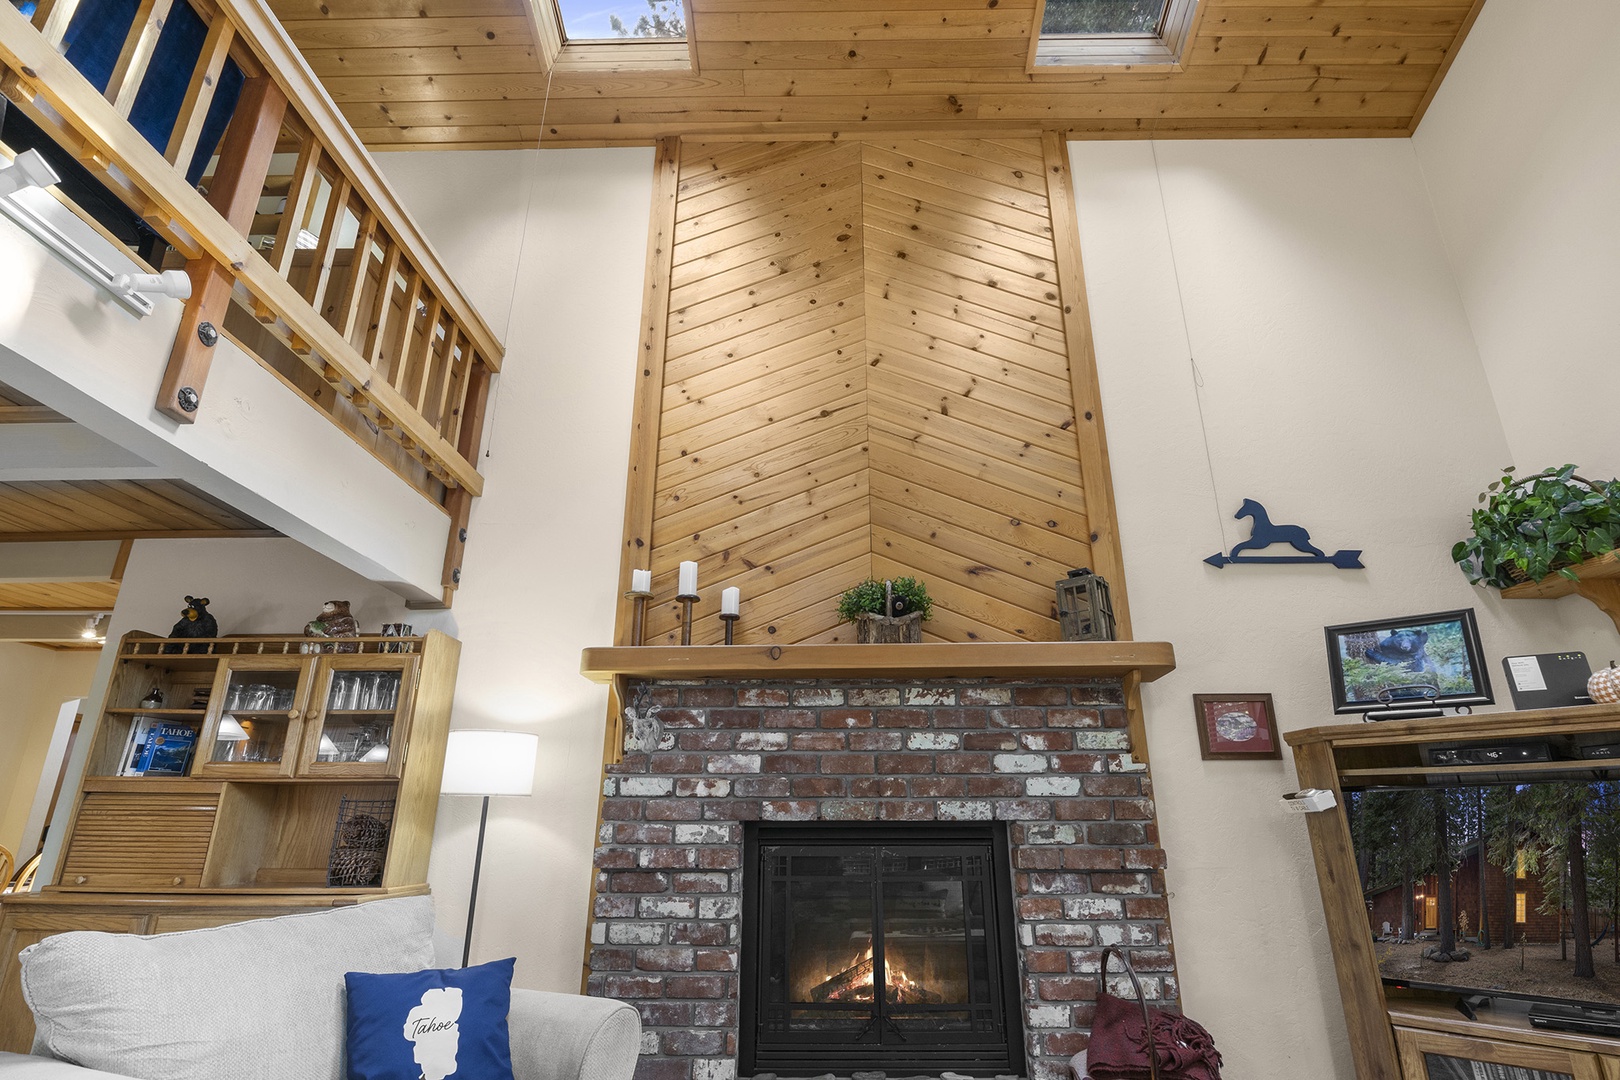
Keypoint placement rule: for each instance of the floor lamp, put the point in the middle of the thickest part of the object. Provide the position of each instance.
(487, 763)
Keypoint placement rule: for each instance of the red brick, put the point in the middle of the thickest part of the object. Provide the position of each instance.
(1074, 718)
(643, 834)
(638, 883)
(722, 1014)
(1114, 833)
(1084, 858)
(995, 787)
(624, 907)
(938, 787)
(1080, 810)
(1046, 960)
(710, 882)
(731, 810)
(906, 811)
(633, 986)
(664, 959)
(776, 764)
(789, 809)
(673, 810)
(846, 718)
(1043, 882)
(747, 719)
(697, 986)
(716, 960)
(794, 718)
(1017, 718)
(946, 719)
(1129, 787)
(875, 740)
(763, 787)
(695, 933)
(1133, 810)
(1137, 884)
(902, 718)
(889, 764)
(882, 787)
(712, 697)
(1038, 858)
(621, 809)
(1040, 695)
(665, 1013)
(702, 740)
(604, 958)
(845, 764)
(1040, 907)
(1023, 810)
(838, 810)
(972, 764)
(990, 740)
(1047, 740)
(1080, 763)
(680, 718)
(614, 859)
(692, 1043)
(1147, 907)
(629, 765)
(669, 858)
(718, 858)
(1144, 859)
(762, 696)
(1064, 1044)
(819, 741)
(1068, 988)
(663, 1068)
(677, 763)
(819, 787)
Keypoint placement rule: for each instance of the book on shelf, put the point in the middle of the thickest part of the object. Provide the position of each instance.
(134, 745)
(168, 749)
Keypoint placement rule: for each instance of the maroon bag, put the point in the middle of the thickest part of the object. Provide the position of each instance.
(1182, 1049)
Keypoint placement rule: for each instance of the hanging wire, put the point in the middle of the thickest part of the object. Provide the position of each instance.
(523, 239)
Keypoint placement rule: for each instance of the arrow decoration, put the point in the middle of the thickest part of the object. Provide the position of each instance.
(1264, 533)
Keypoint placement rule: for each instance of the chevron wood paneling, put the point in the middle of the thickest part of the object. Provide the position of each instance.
(866, 371)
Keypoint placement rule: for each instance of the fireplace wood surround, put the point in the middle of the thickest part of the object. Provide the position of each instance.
(870, 785)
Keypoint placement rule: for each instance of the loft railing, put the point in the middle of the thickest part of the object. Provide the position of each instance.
(203, 119)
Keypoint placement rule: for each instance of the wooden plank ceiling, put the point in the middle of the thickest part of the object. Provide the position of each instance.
(867, 372)
(468, 73)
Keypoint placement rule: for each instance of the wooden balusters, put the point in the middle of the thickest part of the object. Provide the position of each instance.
(300, 196)
(200, 94)
(244, 160)
(130, 68)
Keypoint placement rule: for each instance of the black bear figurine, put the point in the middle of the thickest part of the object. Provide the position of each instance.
(195, 622)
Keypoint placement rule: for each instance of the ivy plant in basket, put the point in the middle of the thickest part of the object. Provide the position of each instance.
(886, 611)
(1527, 528)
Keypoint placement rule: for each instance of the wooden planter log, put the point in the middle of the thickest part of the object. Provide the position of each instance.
(887, 630)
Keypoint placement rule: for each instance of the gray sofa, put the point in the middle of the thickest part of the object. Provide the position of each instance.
(265, 999)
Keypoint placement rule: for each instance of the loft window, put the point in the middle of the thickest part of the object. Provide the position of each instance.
(598, 21)
(1092, 32)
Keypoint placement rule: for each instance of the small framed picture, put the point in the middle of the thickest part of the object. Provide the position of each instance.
(1236, 726)
(1417, 660)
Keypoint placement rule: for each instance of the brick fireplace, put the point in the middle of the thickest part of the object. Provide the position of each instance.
(1046, 759)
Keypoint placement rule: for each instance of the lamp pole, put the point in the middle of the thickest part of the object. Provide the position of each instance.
(472, 900)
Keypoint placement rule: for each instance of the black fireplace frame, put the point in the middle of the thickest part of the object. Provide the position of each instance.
(1005, 1056)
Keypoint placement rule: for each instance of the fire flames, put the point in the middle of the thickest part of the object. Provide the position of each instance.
(855, 984)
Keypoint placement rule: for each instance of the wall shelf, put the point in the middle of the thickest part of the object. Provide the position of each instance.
(1599, 582)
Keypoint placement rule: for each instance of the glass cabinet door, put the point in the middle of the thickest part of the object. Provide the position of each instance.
(357, 724)
(256, 718)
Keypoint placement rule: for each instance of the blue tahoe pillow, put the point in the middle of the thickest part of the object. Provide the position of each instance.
(430, 1025)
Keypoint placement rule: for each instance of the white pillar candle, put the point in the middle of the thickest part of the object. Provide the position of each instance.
(729, 599)
(641, 581)
(688, 583)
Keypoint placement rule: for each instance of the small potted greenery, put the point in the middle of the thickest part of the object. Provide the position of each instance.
(1543, 524)
(886, 611)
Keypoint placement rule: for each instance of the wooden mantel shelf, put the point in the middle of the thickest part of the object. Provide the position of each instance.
(1149, 660)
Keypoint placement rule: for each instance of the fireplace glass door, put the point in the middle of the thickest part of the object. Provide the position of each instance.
(877, 951)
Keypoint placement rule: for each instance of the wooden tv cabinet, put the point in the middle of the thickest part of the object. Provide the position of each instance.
(1395, 1038)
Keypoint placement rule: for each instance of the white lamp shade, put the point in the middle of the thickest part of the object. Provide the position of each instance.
(230, 730)
(478, 762)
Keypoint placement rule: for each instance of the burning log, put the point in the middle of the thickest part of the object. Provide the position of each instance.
(846, 983)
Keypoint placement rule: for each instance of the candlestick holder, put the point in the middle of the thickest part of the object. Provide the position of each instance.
(638, 615)
(731, 624)
(687, 600)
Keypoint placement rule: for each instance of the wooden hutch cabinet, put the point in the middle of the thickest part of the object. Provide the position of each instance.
(1400, 1035)
(277, 779)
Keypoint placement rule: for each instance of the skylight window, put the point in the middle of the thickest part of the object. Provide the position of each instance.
(1090, 32)
(622, 20)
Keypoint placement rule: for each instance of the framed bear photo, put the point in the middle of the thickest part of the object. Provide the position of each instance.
(1417, 660)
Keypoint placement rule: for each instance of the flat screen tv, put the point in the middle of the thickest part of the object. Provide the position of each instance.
(1507, 888)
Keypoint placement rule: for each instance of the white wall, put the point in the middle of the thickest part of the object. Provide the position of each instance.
(1341, 389)
(543, 548)
(1521, 170)
(34, 683)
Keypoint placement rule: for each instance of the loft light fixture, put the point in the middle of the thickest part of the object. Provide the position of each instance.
(486, 763)
(92, 628)
(29, 169)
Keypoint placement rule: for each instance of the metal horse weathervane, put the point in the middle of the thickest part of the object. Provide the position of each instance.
(1264, 533)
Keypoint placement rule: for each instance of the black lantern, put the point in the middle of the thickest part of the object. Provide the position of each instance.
(1084, 607)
